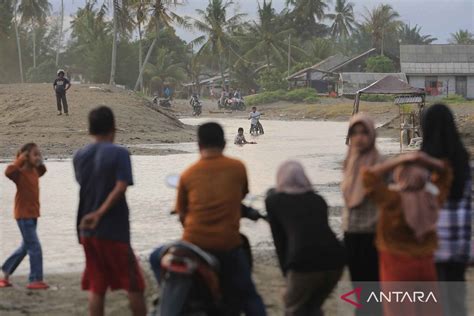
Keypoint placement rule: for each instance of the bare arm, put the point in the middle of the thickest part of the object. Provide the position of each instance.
(91, 220)
(418, 157)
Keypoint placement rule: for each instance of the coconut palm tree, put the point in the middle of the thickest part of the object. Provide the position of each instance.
(34, 13)
(462, 37)
(164, 71)
(263, 39)
(343, 21)
(18, 43)
(308, 10)
(140, 9)
(60, 32)
(162, 15)
(379, 22)
(412, 35)
(217, 28)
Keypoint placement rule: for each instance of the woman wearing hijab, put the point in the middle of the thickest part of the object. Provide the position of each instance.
(441, 140)
(406, 230)
(310, 256)
(359, 216)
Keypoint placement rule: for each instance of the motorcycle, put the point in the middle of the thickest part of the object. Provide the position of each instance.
(190, 276)
(234, 104)
(197, 107)
(166, 103)
(256, 129)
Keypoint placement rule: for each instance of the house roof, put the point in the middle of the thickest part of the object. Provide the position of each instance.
(325, 65)
(437, 59)
(355, 81)
(391, 85)
(351, 60)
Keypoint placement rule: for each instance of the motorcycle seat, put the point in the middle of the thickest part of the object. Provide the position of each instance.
(205, 256)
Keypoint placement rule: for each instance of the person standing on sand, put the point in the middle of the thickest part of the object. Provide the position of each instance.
(61, 85)
(406, 229)
(25, 172)
(359, 215)
(103, 171)
(209, 200)
(310, 256)
(441, 140)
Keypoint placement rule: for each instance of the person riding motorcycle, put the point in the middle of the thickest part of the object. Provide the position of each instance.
(194, 99)
(223, 183)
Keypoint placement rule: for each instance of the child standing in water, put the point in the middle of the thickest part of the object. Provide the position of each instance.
(25, 173)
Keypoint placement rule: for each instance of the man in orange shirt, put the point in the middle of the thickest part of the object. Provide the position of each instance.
(209, 205)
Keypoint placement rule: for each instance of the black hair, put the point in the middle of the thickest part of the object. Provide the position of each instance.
(240, 129)
(211, 135)
(442, 140)
(351, 129)
(101, 121)
(26, 148)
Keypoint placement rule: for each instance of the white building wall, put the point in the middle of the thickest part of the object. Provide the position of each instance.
(470, 87)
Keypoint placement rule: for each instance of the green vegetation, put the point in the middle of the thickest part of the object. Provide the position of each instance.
(134, 42)
(306, 95)
(379, 64)
(453, 99)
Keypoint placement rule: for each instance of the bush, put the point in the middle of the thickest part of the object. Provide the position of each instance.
(265, 97)
(307, 95)
(377, 98)
(44, 72)
(379, 64)
(299, 95)
(272, 80)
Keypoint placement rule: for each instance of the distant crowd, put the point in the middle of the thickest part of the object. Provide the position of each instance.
(406, 218)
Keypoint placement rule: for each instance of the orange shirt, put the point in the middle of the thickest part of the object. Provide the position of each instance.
(27, 203)
(209, 202)
(393, 233)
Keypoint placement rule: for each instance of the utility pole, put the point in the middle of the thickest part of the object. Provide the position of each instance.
(18, 44)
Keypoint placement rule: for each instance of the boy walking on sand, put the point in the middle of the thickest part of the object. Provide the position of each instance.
(25, 172)
(103, 171)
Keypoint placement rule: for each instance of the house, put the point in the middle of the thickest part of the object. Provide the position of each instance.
(323, 76)
(351, 82)
(440, 69)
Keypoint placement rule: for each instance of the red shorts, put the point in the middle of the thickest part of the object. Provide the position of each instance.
(110, 264)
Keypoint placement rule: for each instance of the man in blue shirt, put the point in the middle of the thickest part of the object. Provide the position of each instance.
(61, 85)
(103, 171)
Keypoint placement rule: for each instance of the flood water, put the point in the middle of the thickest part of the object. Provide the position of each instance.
(318, 145)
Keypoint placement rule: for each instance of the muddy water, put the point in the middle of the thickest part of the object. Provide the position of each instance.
(318, 145)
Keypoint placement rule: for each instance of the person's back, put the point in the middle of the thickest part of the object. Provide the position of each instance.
(311, 244)
(214, 189)
(98, 166)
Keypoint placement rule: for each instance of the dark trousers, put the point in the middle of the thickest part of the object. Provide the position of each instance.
(239, 292)
(61, 98)
(453, 287)
(363, 263)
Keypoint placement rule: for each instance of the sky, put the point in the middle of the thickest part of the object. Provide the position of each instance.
(438, 18)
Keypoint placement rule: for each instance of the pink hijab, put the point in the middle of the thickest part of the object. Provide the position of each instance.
(418, 197)
(292, 179)
(352, 186)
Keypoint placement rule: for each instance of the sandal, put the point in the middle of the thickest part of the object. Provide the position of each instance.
(4, 283)
(39, 285)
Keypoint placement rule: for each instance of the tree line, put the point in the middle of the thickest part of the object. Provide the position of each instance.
(134, 42)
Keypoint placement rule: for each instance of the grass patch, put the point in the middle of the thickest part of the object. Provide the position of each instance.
(307, 95)
(456, 99)
(377, 98)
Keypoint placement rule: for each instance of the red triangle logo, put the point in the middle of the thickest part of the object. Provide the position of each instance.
(355, 291)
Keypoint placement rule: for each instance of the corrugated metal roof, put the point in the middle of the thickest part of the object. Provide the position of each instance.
(437, 59)
(325, 65)
(355, 81)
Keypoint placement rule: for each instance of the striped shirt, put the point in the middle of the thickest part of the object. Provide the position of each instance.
(454, 228)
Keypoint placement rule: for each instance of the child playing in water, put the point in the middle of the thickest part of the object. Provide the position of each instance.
(25, 173)
(240, 138)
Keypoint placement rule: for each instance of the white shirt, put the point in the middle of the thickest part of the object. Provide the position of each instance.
(254, 117)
